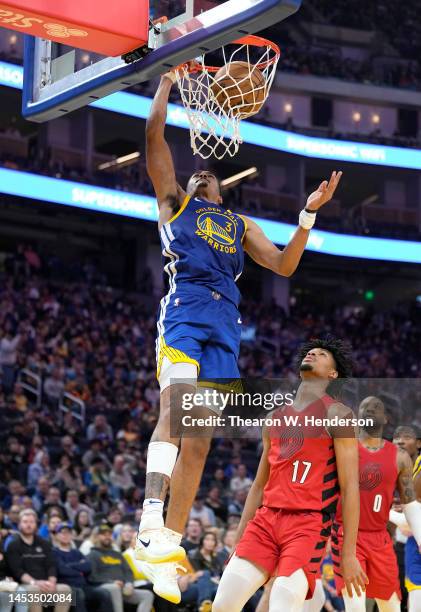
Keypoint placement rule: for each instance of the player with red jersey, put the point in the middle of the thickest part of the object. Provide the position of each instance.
(383, 468)
(287, 517)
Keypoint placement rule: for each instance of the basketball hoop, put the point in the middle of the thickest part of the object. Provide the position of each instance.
(217, 98)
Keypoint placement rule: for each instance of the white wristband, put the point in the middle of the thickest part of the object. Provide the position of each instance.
(398, 518)
(172, 76)
(412, 512)
(306, 219)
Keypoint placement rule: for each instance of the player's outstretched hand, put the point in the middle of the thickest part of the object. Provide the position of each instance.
(324, 192)
(353, 575)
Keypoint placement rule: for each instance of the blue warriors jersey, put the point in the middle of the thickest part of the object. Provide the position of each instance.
(198, 320)
(203, 243)
(412, 554)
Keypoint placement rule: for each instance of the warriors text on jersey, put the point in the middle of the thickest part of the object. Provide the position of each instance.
(203, 246)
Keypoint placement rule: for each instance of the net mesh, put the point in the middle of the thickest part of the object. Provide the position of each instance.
(217, 99)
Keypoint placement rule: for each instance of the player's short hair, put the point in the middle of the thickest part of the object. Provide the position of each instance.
(407, 430)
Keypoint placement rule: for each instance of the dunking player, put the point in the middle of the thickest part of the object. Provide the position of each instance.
(199, 323)
(406, 437)
(383, 468)
(287, 517)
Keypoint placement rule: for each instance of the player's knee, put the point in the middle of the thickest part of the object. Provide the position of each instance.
(288, 592)
(195, 448)
(284, 599)
(224, 602)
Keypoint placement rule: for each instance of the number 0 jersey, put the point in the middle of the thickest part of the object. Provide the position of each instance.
(302, 460)
(203, 243)
(378, 476)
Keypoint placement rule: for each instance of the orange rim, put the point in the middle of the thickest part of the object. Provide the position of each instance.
(255, 41)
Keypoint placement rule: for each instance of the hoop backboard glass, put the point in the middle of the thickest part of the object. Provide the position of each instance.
(59, 79)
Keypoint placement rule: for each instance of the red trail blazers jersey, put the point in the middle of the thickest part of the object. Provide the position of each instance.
(303, 473)
(378, 476)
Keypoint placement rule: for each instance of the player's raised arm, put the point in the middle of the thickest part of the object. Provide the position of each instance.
(159, 160)
(255, 495)
(411, 507)
(346, 451)
(285, 262)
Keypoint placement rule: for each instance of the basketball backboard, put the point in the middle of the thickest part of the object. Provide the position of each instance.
(59, 79)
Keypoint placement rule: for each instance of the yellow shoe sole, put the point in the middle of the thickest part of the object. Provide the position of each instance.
(179, 554)
(175, 599)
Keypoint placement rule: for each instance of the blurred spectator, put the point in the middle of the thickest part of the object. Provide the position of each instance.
(95, 452)
(100, 429)
(40, 494)
(201, 511)
(111, 571)
(68, 475)
(130, 432)
(89, 542)
(120, 475)
(47, 529)
(7, 585)
(20, 399)
(219, 479)
(193, 534)
(125, 537)
(240, 480)
(12, 519)
(231, 469)
(204, 559)
(114, 516)
(54, 385)
(97, 474)
(236, 506)
(82, 526)
(228, 546)
(32, 563)
(53, 499)
(38, 468)
(8, 357)
(74, 569)
(216, 503)
(73, 505)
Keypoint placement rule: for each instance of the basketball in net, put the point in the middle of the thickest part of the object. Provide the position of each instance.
(240, 88)
(217, 97)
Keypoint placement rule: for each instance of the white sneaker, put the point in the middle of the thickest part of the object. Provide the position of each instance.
(164, 578)
(157, 546)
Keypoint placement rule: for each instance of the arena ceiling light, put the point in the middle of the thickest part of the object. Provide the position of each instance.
(236, 178)
(124, 160)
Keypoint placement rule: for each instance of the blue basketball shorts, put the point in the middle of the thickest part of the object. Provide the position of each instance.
(202, 327)
(412, 565)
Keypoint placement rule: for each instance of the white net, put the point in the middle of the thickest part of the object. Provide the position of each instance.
(217, 99)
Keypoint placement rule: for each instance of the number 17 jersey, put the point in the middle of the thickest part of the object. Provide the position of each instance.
(303, 474)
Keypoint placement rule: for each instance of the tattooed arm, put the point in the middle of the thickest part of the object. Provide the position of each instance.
(411, 507)
(405, 483)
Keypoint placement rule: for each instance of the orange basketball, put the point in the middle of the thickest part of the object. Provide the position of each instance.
(239, 87)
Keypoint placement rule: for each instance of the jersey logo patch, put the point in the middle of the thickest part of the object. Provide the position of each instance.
(370, 476)
(218, 229)
(290, 441)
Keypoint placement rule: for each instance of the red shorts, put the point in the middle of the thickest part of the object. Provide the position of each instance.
(283, 542)
(377, 557)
